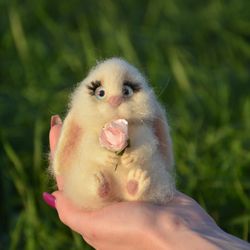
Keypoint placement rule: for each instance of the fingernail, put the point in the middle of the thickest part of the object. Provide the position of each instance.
(55, 120)
(49, 199)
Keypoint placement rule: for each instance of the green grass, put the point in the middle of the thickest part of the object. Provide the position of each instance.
(195, 54)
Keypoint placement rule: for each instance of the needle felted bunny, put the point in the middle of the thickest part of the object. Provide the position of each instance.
(114, 103)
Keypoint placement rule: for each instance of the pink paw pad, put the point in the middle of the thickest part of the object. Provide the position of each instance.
(132, 187)
(104, 190)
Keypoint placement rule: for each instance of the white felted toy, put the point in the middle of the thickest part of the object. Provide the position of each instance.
(115, 143)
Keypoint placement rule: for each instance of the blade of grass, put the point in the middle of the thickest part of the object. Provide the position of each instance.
(16, 233)
(37, 140)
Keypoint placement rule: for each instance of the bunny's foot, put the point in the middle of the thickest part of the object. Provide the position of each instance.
(103, 186)
(137, 183)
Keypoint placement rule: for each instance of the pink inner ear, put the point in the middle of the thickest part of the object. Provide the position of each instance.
(73, 136)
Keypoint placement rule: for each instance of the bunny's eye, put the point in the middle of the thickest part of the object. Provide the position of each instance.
(127, 91)
(100, 93)
(96, 89)
(130, 88)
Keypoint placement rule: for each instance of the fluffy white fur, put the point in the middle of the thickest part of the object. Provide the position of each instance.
(144, 170)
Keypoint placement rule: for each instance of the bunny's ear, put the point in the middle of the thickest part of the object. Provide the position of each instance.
(67, 145)
(162, 133)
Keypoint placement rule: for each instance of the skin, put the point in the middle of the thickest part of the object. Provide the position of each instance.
(181, 224)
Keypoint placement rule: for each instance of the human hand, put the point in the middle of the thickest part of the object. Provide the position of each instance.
(181, 224)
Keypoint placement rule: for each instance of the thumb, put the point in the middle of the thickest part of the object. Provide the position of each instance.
(79, 220)
(55, 130)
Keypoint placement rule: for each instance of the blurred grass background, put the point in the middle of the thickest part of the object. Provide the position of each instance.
(195, 53)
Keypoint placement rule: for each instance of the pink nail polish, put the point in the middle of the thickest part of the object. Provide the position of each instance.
(49, 199)
(55, 120)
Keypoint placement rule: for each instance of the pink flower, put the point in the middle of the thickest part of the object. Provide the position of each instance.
(114, 135)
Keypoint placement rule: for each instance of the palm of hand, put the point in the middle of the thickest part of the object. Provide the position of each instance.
(127, 225)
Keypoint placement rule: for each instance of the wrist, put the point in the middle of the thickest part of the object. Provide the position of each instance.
(171, 232)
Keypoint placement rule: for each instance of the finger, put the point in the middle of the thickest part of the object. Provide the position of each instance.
(180, 200)
(49, 199)
(59, 182)
(55, 130)
(56, 126)
(75, 218)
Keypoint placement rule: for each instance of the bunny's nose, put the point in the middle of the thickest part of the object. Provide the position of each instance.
(115, 101)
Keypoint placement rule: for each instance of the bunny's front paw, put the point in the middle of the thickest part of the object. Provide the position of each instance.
(111, 160)
(108, 159)
(130, 159)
